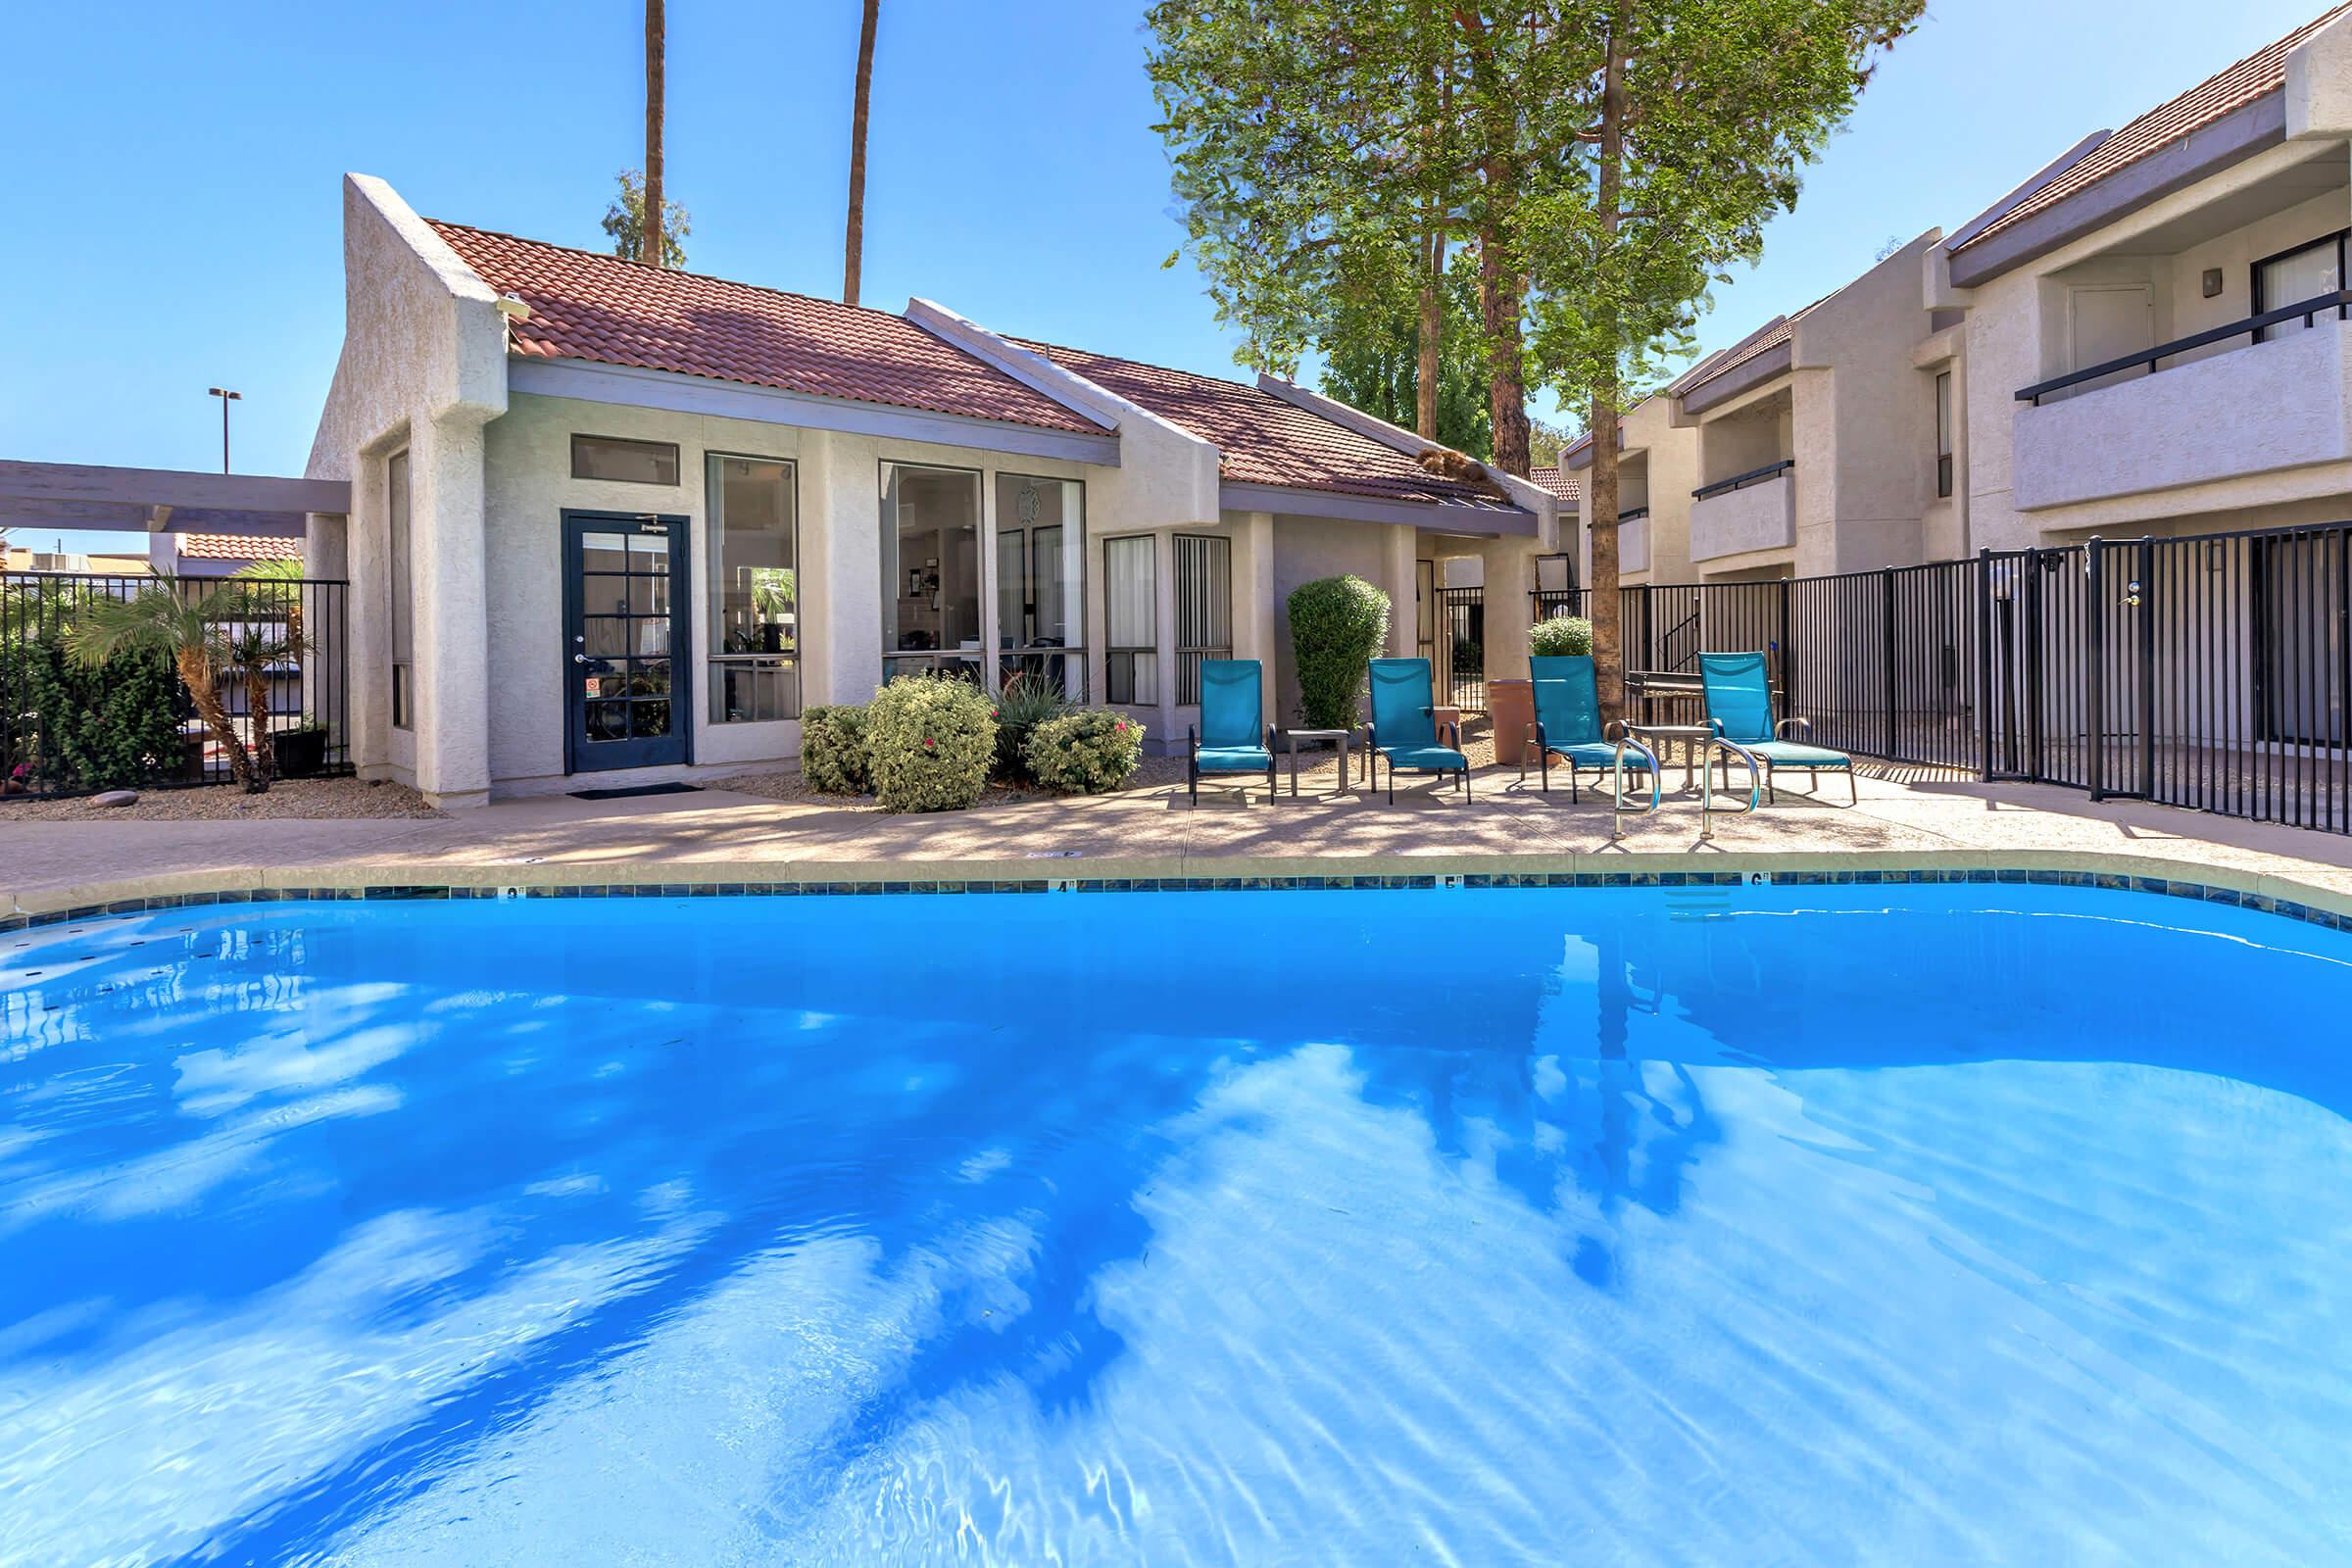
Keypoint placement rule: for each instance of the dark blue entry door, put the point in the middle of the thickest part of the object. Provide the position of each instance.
(625, 673)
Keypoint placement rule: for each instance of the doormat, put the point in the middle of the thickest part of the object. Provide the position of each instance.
(634, 792)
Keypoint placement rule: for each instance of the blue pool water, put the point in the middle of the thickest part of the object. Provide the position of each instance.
(1983, 1224)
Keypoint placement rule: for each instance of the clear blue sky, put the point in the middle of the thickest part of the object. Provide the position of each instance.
(176, 213)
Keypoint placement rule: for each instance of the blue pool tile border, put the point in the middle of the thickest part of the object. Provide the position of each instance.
(2114, 881)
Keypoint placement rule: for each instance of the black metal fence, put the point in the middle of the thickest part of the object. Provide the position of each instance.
(2212, 671)
(1459, 662)
(68, 728)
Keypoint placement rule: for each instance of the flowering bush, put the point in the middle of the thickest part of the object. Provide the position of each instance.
(929, 741)
(1085, 752)
(833, 750)
(1561, 635)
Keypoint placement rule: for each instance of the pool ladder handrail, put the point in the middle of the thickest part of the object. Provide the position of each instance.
(1618, 812)
(1719, 744)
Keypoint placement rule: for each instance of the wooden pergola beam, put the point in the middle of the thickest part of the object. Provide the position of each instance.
(256, 494)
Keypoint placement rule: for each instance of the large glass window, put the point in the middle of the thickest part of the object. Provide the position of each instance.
(930, 571)
(1944, 434)
(403, 608)
(2306, 273)
(1203, 608)
(755, 590)
(1040, 582)
(1129, 621)
(612, 457)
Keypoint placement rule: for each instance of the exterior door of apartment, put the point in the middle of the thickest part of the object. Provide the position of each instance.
(626, 648)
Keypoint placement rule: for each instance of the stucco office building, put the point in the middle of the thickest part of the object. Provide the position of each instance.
(610, 520)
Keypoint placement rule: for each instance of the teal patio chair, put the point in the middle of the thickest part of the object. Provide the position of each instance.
(1227, 739)
(1567, 725)
(1404, 727)
(1738, 697)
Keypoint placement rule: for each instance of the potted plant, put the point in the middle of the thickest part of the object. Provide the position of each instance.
(301, 751)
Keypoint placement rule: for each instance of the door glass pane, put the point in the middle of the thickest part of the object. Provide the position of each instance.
(930, 560)
(606, 636)
(607, 721)
(649, 677)
(650, 718)
(604, 552)
(648, 552)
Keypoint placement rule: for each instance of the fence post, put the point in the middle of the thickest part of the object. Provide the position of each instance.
(2094, 665)
(1788, 695)
(2143, 705)
(1985, 662)
(1886, 644)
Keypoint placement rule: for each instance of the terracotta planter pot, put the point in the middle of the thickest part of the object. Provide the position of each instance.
(1512, 704)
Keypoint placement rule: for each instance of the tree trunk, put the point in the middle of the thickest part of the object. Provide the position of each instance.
(1429, 339)
(1498, 296)
(852, 250)
(260, 716)
(1600, 508)
(656, 46)
(202, 682)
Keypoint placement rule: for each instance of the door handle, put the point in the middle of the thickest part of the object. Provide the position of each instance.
(580, 659)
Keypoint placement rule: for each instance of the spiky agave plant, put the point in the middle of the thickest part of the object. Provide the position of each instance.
(178, 618)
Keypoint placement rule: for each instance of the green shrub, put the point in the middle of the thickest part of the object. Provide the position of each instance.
(78, 728)
(833, 750)
(929, 743)
(1085, 752)
(1337, 626)
(1027, 702)
(1561, 635)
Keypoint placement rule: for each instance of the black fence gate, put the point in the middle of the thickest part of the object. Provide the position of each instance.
(1460, 661)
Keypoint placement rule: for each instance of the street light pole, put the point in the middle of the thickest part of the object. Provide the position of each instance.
(227, 396)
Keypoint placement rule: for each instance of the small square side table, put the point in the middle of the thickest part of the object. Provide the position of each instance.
(1290, 739)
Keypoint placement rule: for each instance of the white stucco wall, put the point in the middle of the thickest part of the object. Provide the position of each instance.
(1309, 548)
(423, 367)
(838, 479)
(1754, 517)
(2130, 455)
(1658, 469)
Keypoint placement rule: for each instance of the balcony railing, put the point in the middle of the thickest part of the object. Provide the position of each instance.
(1741, 481)
(2307, 312)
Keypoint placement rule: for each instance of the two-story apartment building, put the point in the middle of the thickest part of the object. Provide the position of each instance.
(1823, 437)
(2152, 329)
(1657, 468)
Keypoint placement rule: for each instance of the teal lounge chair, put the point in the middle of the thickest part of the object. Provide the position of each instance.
(1739, 694)
(1567, 727)
(1227, 739)
(1404, 727)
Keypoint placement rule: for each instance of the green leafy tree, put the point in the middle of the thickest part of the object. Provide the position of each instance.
(1692, 123)
(624, 222)
(1379, 367)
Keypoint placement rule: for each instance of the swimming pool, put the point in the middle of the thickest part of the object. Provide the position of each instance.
(1695, 1225)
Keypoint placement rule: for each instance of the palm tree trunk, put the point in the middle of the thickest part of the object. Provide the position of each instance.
(259, 715)
(852, 252)
(657, 47)
(203, 681)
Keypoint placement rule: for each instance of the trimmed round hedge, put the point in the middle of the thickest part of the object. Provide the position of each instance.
(1337, 626)
(929, 743)
(1088, 752)
(1561, 635)
(833, 750)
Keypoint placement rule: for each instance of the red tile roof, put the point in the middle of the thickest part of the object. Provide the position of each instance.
(1771, 335)
(1557, 481)
(1265, 440)
(238, 546)
(590, 307)
(2259, 74)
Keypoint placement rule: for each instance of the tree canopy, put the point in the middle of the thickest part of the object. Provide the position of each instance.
(624, 222)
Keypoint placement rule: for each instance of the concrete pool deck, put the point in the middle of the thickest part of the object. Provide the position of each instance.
(720, 836)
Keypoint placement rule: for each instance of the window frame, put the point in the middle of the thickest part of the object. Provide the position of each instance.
(2254, 276)
(400, 586)
(1112, 650)
(1072, 651)
(677, 460)
(1943, 436)
(1190, 651)
(716, 661)
(966, 663)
